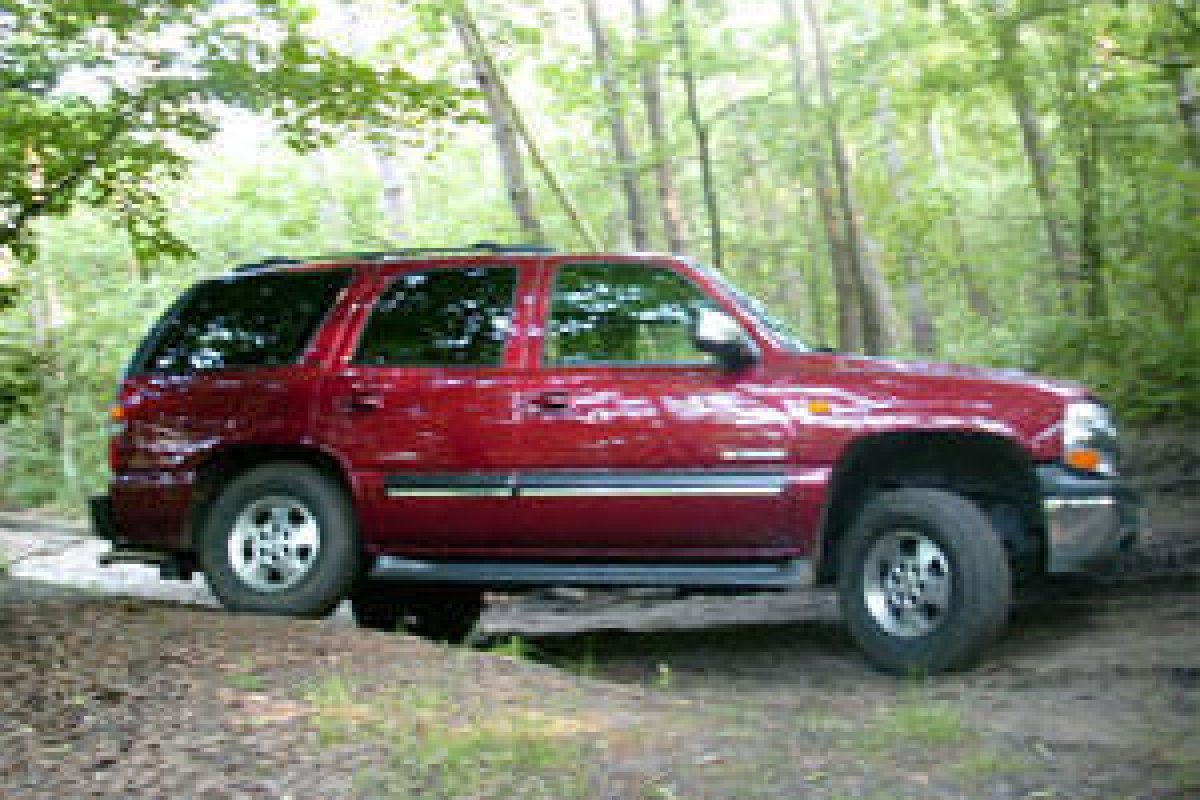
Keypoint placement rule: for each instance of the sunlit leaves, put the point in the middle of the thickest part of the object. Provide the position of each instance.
(97, 94)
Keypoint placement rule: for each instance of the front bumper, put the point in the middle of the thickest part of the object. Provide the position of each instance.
(1089, 519)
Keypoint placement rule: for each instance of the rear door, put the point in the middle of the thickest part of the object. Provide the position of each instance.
(425, 406)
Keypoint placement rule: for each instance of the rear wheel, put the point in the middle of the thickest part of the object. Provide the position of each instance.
(280, 539)
(443, 614)
(925, 584)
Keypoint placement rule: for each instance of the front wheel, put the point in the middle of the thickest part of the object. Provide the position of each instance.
(925, 581)
(280, 539)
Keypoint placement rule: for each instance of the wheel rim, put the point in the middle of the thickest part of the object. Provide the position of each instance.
(274, 543)
(907, 583)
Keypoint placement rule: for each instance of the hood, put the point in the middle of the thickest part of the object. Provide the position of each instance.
(940, 372)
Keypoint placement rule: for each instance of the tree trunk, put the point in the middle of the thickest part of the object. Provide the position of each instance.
(508, 149)
(848, 304)
(664, 168)
(622, 148)
(977, 297)
(761, 213)
(1090, 249)
(872, 311)
(920, 321)
(1189, 109)
(700, 129)
(1040, 166)
(392, 202)
(817, 326)
(474, 43)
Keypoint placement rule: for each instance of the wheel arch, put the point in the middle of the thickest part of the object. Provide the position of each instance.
(224, 465)
(992, 470)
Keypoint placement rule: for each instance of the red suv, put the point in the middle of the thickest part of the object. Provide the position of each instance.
(414, 428)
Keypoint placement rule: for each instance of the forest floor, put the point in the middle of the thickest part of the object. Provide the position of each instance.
(125, 686)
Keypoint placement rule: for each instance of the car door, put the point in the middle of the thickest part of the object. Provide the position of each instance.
(638, 444)
(425, 407)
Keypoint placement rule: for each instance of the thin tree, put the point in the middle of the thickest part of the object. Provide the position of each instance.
(619, 130)
(664, 166)
(1189, 108)
(1041, 166)
(475, 43)
(508, 148)
(920, 321)
(922, 333)
(687, 74)
(977, 297)
(873, 315)
(848, 304)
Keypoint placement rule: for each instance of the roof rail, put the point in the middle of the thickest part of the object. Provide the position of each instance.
(407, 252)
(269, 261)
(496, 247)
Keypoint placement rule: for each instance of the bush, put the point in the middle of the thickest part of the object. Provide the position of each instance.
(1147, 368)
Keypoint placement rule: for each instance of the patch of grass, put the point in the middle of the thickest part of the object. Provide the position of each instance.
(246, 681)
(919, 722)
(514, 647)
(442, 747)
(985, 764)
(339, 713)
(662, 677)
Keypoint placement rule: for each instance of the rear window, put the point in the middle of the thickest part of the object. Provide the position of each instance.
(241, 321)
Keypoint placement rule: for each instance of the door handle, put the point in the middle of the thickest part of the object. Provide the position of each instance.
(552, 401)
(362, 401)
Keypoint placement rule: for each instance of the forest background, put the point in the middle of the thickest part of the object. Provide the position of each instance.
(1003, 182)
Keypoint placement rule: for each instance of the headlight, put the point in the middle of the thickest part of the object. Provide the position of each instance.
(1090, 438)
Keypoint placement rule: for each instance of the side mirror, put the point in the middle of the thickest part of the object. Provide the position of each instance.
(716, 332)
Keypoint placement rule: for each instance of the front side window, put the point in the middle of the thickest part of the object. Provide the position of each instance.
(441, 318)
(252, 320)
(613, 313)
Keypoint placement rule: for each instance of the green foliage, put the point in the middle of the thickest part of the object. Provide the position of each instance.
(98, 96)
(1147, 368)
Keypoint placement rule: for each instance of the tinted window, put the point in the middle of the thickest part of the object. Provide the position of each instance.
(243, 321)
(613, 313)
(442, 317)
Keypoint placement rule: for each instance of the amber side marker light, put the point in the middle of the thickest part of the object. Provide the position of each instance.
(1084, 459)
(116, 413)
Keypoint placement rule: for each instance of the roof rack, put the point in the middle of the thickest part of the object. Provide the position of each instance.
(268, 262)
(407, 252)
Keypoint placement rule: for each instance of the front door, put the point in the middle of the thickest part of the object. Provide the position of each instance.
(639, 444)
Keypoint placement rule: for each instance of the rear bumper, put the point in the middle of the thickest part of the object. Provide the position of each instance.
(171, 565)
(1089, 519)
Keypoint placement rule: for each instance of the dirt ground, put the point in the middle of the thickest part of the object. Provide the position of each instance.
(1093, 693)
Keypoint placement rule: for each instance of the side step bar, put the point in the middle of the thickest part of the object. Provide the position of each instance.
(793, 574)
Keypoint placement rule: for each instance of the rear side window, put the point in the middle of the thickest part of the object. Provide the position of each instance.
(441, 318)
(242, 321)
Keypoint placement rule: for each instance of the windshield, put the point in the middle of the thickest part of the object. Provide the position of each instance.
(783, 331)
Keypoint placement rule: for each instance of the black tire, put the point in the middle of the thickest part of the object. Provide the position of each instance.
(314, 508)
(937, 610)
(441, 614)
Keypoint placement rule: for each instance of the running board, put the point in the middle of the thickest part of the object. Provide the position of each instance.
(793, 574)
